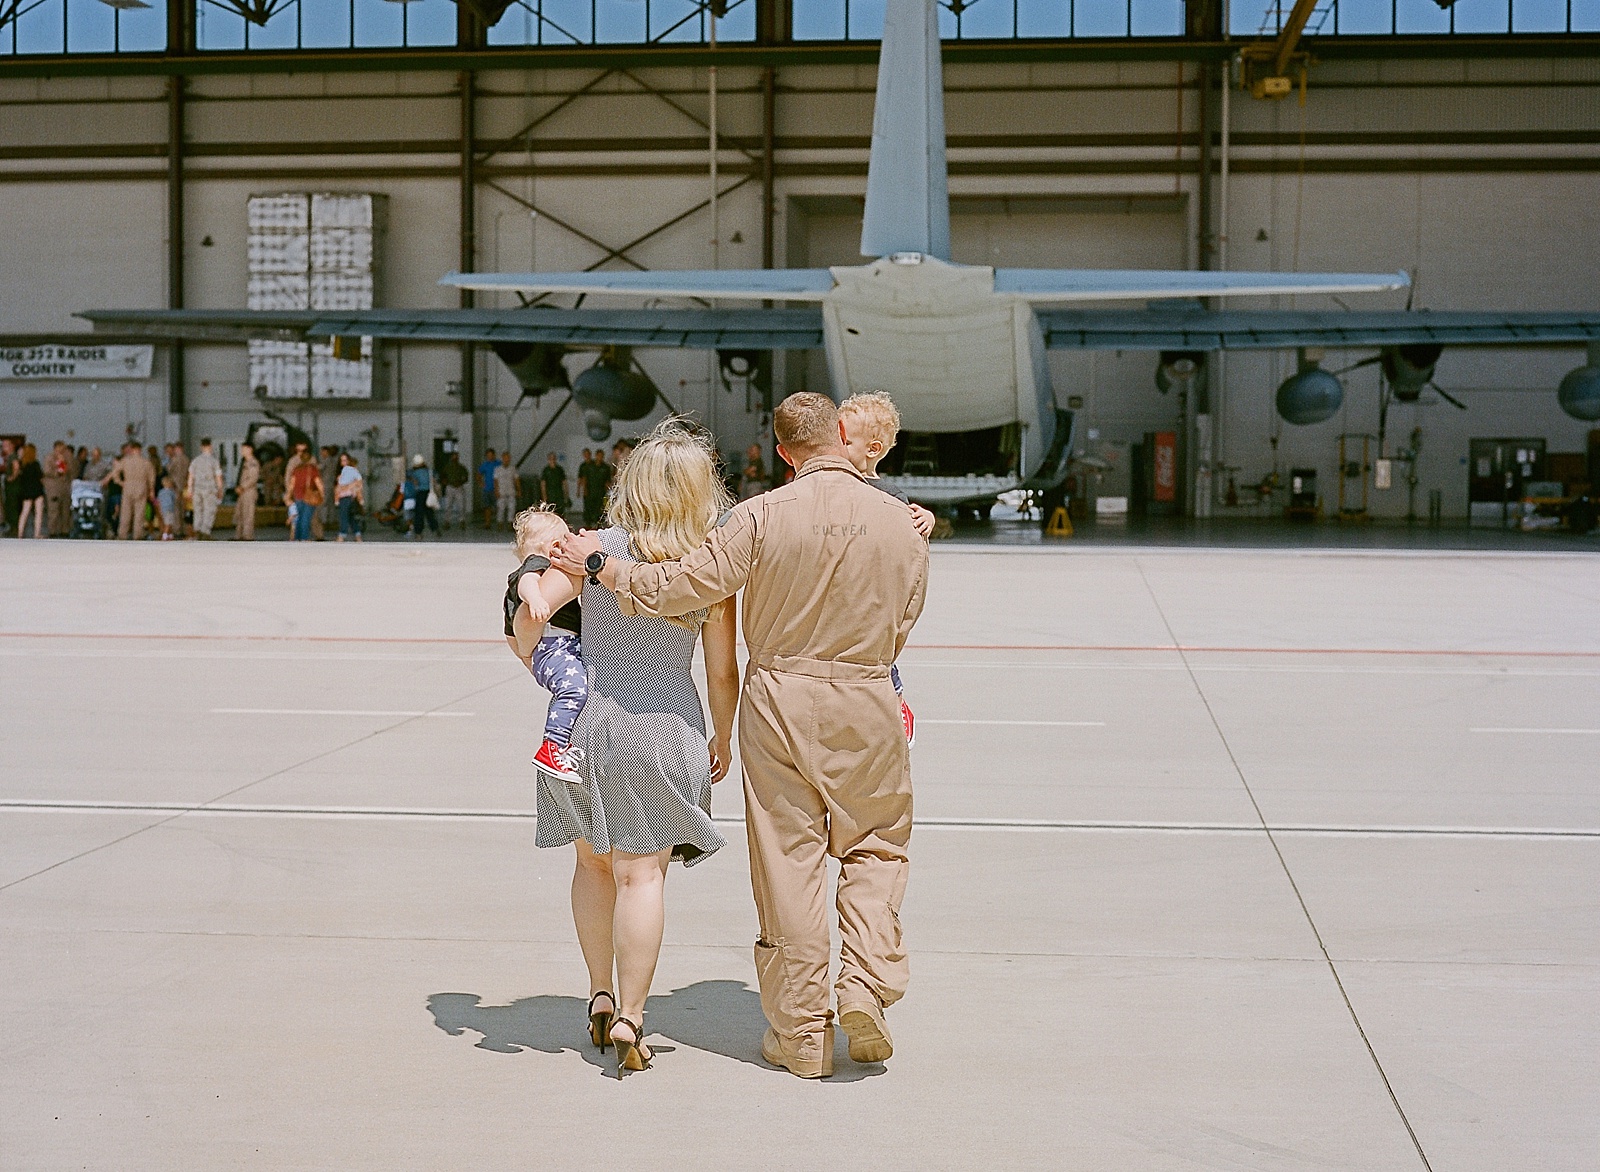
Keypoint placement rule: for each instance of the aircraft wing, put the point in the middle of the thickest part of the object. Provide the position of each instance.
(1047, 285)
(699, 329)
(1166, 329)
(732, 284)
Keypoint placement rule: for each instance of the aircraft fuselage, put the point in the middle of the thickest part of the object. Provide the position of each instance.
(955, 355)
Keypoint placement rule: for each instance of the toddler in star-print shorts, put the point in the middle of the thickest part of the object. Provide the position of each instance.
(550, 649)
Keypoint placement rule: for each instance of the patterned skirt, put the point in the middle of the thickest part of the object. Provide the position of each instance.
(645, 786)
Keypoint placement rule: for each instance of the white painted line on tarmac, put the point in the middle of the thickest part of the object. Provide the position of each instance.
(1024, 825)
(1560, 732)
(1025, 723)
(1333, 669)
(329, 712)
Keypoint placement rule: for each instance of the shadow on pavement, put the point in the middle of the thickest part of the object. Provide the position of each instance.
(722, 1017)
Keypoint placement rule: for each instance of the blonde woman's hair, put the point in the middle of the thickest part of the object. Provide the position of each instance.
(668, 495)
(534, 525)
(877, 410)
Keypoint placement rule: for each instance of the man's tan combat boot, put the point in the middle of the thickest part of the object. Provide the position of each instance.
(773, 1051)
(863, 1024)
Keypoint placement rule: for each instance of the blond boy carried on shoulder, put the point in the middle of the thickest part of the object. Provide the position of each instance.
(871, 425)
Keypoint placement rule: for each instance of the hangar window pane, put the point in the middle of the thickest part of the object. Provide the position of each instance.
(82, 26)
(1585, 16)
(1044, 18)
(1155, 18)
(980, 20)
(619, 22)
(432, 22)
(1422, 17)
(1365, 17)
(377, 23)
(1483, 16)
(323, 24)
(216, 27)
(1539, 16)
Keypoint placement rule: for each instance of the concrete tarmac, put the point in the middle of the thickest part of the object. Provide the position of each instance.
(1224, 859)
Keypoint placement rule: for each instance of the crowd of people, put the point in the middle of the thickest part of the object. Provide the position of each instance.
(165, 493)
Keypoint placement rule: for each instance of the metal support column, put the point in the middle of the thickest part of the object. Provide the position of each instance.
(175, 97)
(469, 228)
(769, 196)
(180, 41)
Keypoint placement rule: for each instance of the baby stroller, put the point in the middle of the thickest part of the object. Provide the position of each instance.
(88, 508)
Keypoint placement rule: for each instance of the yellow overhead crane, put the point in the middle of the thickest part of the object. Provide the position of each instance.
(1264, 65)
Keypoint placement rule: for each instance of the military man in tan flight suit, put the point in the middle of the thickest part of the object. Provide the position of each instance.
(178, 469)
(833, 576)
(138, 479)
(244, 509)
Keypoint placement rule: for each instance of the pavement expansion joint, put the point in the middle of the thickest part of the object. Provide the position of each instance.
(1333, 968)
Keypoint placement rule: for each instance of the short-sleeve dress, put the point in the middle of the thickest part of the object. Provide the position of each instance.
(645, 775)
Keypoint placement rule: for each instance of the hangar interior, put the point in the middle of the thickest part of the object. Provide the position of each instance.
(1460, 144)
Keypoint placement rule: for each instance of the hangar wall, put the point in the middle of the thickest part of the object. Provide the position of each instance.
(1480, 176)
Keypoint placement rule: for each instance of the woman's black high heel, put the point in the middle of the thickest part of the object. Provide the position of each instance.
(600, 1022)
(630, 1055)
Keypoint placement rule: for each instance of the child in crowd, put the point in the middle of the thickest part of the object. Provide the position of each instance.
(167, 506)
(551, 652)
(871, 424)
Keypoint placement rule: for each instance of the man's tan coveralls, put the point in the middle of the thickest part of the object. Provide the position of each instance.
(833, 576)
(138, 479)
(178, 469)
(244, 510)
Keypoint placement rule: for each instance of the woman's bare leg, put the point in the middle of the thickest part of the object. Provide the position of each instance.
(594, 896)
(641, 882)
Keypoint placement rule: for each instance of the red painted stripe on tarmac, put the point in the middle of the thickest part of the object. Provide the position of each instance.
(1143, 648)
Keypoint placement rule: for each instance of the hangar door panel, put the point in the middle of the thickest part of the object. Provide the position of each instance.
(1016, 232)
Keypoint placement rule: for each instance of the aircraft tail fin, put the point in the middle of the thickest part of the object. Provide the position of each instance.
(908, 197)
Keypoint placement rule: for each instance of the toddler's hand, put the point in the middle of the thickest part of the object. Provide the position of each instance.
(922, 520)
(538, 609)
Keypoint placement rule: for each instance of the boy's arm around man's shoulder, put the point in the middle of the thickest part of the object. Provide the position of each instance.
(919, 596)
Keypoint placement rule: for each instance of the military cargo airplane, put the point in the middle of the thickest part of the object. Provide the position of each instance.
(960, 348)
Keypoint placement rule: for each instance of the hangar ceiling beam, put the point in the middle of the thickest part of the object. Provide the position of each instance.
(1553, 46)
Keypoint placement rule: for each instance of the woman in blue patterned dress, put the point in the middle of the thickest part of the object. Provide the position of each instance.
(644, 760)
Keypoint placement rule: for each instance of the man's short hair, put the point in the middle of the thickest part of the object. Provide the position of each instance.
(806, 421)
(205, 441)
(878, 414)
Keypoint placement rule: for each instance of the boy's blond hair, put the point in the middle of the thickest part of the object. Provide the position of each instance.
(877, 412)
(535, 525)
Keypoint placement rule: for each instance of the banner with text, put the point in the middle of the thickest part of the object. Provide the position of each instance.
(85, 363)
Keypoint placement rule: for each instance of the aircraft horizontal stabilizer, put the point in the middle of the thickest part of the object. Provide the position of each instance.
(741, 284)
(751, 328)
(1167, 329)
(1048, 285)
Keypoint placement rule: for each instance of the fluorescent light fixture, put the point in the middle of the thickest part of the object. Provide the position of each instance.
(125, 5)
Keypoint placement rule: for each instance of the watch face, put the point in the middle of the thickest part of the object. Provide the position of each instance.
(595, 562)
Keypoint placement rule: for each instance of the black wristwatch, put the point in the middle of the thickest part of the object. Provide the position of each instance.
(594, 563)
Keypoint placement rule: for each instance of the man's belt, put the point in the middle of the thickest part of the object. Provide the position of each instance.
(822, 669)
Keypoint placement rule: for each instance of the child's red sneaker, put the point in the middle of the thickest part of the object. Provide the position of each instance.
(557, 761)
(909, 723)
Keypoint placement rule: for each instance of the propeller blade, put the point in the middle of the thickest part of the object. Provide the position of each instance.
(1448, 397)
